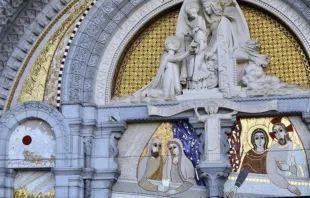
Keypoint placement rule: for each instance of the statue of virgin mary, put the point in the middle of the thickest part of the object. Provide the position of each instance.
(229, 41)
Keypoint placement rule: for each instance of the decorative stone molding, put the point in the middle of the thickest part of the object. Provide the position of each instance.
(103, 34)
(37, 110)
(20, 35)
(100, 22)
(8, 10)
(219, 103)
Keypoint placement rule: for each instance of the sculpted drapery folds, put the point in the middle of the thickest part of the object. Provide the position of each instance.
(211, 56)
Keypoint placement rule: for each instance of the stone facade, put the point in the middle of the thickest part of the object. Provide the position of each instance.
(87, 132)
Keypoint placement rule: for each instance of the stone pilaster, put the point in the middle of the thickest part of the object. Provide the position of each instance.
(87, 171)
(88, 175)
(88, 147)
(104, 158)
(68, 182)
(77, 156)
(216, 173)
(7, 182)
(227, 126)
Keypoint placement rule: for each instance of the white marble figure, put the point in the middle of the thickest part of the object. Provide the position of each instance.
(224, 61)
(197, 70)
(212, 122)
(166, 84)
(259, 84)
(284, 159)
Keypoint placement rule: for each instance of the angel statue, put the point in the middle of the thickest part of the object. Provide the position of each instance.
(198, 32)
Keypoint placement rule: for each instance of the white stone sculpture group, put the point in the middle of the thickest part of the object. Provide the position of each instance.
(212, 56)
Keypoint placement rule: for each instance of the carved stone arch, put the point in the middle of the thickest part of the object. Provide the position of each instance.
(20, 35)
(94, 47)
(295, 14)
(36, 110)
(89, 44)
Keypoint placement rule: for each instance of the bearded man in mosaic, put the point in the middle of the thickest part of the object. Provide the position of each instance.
(151, 166)
(285, 158)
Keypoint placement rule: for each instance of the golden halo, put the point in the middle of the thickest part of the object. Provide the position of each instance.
(285, 121)
(253, 128)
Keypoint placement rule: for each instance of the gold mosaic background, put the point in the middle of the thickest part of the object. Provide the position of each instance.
(141, 60)
(23, 193)
(41, 83)
(287, 58)
(251, 124)
(164, 132)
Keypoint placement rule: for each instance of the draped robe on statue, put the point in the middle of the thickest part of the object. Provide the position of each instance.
(232, 43)
(166, 83)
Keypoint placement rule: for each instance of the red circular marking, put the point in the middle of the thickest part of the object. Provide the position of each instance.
(27, 140)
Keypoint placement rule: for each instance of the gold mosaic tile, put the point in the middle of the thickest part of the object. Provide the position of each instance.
(141, 59)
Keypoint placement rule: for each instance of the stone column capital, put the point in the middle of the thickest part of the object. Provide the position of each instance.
(215, 175)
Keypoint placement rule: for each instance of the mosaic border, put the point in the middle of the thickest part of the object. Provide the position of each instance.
(64, 58)
(265, 180)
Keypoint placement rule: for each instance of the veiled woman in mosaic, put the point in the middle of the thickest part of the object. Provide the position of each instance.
(254, 160)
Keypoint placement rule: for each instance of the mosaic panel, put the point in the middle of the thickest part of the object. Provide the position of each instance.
(32, 144)
(268, 150)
